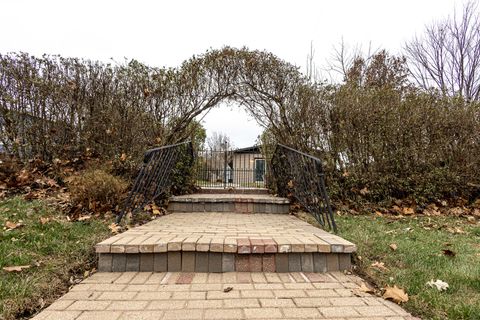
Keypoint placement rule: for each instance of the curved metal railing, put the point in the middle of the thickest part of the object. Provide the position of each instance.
(301, 175)
(155, 176)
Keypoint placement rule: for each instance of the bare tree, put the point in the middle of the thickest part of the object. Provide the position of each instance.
(219, 141)
(447, 56)
(345, 56)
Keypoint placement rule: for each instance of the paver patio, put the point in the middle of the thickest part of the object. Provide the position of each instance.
(233, 295)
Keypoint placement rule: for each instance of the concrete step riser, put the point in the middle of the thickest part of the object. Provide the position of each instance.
(233, 191)
(237, 207)
(185, 261)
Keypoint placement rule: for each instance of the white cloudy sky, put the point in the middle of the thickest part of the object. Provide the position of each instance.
(164, 33)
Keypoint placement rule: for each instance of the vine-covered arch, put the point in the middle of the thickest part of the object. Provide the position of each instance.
(273, 91)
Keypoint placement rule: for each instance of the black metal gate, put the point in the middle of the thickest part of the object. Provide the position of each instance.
(231, 168)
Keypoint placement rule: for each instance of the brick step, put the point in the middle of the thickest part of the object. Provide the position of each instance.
(191, 261)
(225, 242)
(229, 202)
(227, 190)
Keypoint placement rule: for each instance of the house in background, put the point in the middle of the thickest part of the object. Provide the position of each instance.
(248, 167)
(239, 168)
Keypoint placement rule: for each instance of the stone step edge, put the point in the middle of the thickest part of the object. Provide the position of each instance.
(238, 246)
(228, 200)
(223, 262)
(258, 191)
(232, 207)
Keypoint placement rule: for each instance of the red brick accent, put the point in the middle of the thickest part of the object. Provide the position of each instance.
(244, 277)
(270, 246)
(268, 263)
(185, 278)
(242, 263)
(257, 245)
(256, 263)
(243, 246)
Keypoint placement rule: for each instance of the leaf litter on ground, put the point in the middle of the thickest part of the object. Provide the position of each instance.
(395, 294)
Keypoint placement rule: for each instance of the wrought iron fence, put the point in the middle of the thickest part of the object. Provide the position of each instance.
(155, 177)
(230, 168)
(302, 176)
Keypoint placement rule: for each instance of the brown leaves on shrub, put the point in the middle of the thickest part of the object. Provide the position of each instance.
(96, 191)
(35, 179)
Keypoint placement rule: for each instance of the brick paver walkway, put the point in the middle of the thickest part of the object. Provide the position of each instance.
(234, 295)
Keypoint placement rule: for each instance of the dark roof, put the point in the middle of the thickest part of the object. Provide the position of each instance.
(252, 149)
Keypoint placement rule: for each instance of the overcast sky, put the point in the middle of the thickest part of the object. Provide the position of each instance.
(164, 33)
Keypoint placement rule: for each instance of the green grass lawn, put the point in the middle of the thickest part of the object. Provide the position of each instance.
(419, 259)
(55, 249)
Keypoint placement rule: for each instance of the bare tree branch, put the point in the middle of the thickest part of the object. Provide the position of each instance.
(447, 56)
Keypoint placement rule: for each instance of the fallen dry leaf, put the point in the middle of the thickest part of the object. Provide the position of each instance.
(23, 177)
(364, 191)
(471, 220)
(84, 218)
(449, 252)
(395, 294)
(393, 246)
(12, 225)
(408, 211)
(365, 288)
(439, 284)
(15, 268)
(52, 183)
(44, 220)
(456, 211)
(379, 265)
(114, 228)
(290, 184)
(455, 230)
